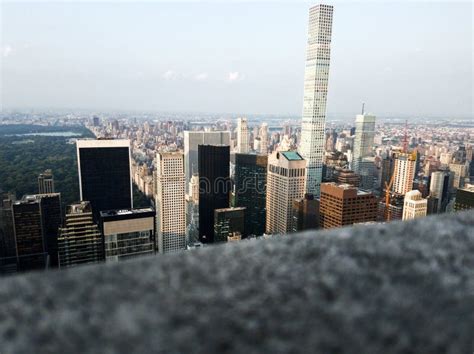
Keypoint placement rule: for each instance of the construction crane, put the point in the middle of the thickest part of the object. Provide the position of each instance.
(388, 187)
(405, 138)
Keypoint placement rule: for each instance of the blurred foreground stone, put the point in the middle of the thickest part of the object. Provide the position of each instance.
(394, 288)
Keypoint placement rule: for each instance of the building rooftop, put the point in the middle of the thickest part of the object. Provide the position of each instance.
(291, 155)
(402, 287)
(119, 212)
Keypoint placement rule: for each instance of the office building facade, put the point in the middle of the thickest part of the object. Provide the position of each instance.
(128, 233)
(79, 239)
(464, 198)
(170, 202)
(31, 248)
(192, 139)
(250, 190)
(214, 186)
(305, 213)
(404, 173)
(228, 222)
(343, 204)
(414, 206)
(105, 174)
(243, 137)
(362, 161)
(46, 182)
(286, 181)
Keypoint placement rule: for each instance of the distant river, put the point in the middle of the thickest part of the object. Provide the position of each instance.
(65, 134)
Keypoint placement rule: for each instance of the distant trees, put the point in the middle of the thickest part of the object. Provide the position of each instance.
(22, 158)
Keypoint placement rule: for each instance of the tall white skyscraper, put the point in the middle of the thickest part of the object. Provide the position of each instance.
(243, 145)
(414, 205)
(264, 139)
(192, 139)
(362, 163)
(170, 202)
(318, 54)
(285, 183)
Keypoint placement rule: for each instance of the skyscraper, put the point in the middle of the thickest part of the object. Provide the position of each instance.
(343, 204)
(440, 185)
(105, 174)
(36, 239)
(170, 202)
(250, 190)
(30, 243)
(414, 205)
(318, 54)
(50, 205)
(80, 240)
(46, 182)
(264, 139)
(192, 139)
(362, 162)
(8, 259)
(404, 173)
(461, 172)
(286, 178)
(214, 186)
(242, 136)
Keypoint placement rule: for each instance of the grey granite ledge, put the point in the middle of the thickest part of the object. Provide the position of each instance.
(394, 288)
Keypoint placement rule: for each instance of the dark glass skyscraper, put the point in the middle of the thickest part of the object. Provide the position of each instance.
(36, 221)
(104, 174)
(51, 221)
(30, 245)
(214, 186)
(250, 190)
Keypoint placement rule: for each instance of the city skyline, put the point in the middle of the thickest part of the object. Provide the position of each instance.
(143, 68)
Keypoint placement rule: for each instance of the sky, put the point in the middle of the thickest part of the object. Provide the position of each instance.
(400, 58)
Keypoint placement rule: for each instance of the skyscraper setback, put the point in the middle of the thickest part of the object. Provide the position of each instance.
(318, 54)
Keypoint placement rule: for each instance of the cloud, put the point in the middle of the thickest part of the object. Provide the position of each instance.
(233, 76)
(170, 75)
(6, 50)
(201, 77)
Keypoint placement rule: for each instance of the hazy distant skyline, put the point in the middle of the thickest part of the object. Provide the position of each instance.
(399, 58)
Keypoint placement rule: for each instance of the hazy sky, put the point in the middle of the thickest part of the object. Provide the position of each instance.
(240, 57)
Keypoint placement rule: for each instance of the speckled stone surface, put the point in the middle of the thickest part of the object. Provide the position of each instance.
(394, 288)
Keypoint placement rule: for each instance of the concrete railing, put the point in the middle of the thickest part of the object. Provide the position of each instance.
(404, 287)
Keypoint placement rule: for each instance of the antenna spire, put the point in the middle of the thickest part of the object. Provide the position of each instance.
(363, 107)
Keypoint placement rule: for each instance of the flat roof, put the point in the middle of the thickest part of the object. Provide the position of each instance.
(120, 212)
(291, 155)
(102, 143)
